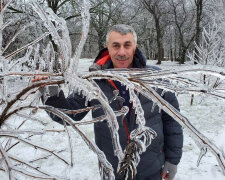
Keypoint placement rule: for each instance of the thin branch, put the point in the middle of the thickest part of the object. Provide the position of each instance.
(4, 114)
(92, 146)
(7, 162)
(34, 145)
(151, 94)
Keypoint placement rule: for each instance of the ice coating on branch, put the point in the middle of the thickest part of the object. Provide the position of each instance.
(20, 61)
(142, 136)
(83, 86)
(133, 97)
(63, 41)
(72, 70)
(171, 77)
(106, 170)
(17, 33)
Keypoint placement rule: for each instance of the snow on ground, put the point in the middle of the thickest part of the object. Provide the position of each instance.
(207, 117)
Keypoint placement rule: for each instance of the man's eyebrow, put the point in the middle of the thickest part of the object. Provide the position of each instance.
(127, 42)
(115, 43)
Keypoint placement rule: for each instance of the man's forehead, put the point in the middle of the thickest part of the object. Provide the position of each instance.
(116, 37)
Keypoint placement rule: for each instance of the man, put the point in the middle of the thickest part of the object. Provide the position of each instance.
(162, 156)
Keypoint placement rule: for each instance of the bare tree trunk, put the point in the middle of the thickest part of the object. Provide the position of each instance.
(199, 5)
(101, 40)
(156, 11)
(183, 55)
(192, 99)
(159, 37)
(171, 55)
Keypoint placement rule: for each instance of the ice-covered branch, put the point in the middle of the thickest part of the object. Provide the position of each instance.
(27, 45)
(63, 42)
(4, 112)
(199, 137)
(85, 28)
(15, 36)
(107, 168)
(44, 175)
(8, 166)
(151, 94)
(142, 135)
(17, 137)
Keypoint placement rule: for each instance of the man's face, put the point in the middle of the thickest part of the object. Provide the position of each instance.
(121, 49)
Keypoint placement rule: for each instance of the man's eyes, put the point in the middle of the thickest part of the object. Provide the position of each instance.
(116, 46)
(125, 45)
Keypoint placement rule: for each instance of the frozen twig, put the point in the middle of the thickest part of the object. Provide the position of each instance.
(34, 145)
(70, 143)
(4, 114)
(7, 162)
(204, 142)
(101, 157)
(151, 94)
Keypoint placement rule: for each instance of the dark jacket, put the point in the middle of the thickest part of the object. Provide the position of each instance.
(166, 146)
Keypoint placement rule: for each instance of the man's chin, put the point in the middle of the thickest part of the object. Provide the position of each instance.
(123, 66)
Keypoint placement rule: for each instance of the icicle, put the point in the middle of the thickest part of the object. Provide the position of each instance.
(47, 54)
(45, 94)
(36, 57)
(202, 153)
(116, 93)
(163, 92)
(137, 93)
(160, 110)
(153, 107)
(86, 101)
(59, 89)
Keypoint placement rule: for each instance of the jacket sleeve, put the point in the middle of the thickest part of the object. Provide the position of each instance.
(72, 102)
(173, 133)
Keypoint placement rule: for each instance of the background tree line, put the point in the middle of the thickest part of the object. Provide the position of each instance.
(167, 29)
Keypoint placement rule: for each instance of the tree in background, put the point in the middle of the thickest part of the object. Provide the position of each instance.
(157, 8)
(165, 28)
(199, 13)
(183, 18)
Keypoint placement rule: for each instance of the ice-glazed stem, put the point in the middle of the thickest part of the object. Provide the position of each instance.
(151, 94)
(101, 156)
(85, 28)
(170, 110)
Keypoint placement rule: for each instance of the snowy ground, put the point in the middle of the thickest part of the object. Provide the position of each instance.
(208, 117)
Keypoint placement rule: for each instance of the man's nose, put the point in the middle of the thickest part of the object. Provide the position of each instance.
(121, 51)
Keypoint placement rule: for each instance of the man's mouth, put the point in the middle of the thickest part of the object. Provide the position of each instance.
(122, 58)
